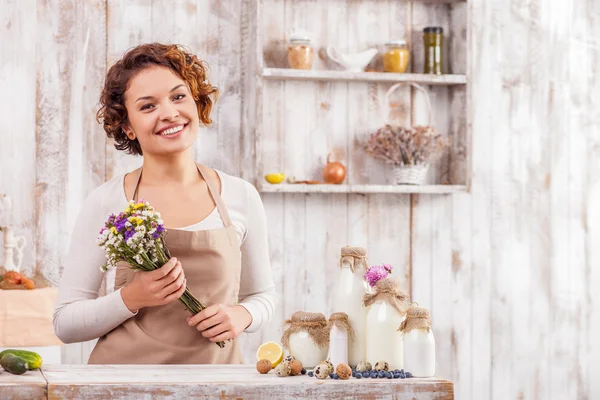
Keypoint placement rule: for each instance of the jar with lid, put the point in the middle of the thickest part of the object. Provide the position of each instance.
(348, 298)
(419, 343)
(307, 338)
(387, 309)
(396, 57)
(340, 333)
(433, 40)
(300, 53)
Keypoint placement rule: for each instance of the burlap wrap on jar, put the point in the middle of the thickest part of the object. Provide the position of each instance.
(340, 320)
(315, 324)
(388, 290)
(355, 256)
(416, 318)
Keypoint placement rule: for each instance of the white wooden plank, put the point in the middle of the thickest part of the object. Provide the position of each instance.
(328, 75)
(227, 381)
(126, 27)
(323, 188)
(30, 385)
(481, 215)
(18, 103)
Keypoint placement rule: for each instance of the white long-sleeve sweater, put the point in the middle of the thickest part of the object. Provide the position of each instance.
(81, 314)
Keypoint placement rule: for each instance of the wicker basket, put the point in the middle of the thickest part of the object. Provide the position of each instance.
(410, 174)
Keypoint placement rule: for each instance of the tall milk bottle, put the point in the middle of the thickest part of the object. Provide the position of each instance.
(348, 298)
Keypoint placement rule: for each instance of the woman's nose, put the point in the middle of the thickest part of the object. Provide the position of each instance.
(169, 112)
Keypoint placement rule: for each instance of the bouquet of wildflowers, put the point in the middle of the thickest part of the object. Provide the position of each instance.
(136, 236)
(376, 273)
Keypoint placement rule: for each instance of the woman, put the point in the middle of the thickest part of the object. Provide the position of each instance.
(153, 104)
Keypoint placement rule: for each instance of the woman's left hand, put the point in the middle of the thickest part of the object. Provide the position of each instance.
(219, 322)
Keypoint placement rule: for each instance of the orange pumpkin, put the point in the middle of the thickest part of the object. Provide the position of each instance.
(12, 277)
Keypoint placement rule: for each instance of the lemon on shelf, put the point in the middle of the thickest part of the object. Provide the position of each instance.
(271, 351)
(275, 178)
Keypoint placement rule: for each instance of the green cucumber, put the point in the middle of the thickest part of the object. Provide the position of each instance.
(33, 359)
(14, 364)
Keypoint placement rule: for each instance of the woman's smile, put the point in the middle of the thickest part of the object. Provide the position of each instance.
(172, 131)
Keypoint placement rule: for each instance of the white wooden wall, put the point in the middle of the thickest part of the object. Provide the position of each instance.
(509, 271)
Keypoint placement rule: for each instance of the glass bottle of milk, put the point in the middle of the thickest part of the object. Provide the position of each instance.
(340, 334)
(387, 310)
(348, 298)
(419, 343)
(307, 338)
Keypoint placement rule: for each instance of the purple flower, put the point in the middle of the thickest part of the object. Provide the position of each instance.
(129, 233)
(111, 219)
(120, 224)
(102, 230)
(156, 235)
(160, 229)
(388, 267)
(375, 273)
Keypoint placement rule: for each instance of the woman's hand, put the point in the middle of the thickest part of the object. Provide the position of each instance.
(219, 322)
(155, 288)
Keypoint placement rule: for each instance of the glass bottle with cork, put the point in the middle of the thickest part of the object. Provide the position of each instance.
(300, 53)
(433, 40)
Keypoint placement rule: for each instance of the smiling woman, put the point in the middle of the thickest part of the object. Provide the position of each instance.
(154, 103)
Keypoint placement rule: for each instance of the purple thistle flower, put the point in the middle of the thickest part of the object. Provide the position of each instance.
(120, 224)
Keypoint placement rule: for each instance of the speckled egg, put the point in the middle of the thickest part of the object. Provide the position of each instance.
(283, 369)
(382, 366)
(343, 371)
(289, 358)
(329, 365)
(321, 371)
(296, 367)
(264, 366)
(364, 366)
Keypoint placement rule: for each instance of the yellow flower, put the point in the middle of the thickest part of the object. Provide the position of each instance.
(138, 206)
(113, 230)
(135, 220)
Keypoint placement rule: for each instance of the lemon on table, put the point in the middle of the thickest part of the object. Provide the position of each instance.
(271, 351)
(275, 178)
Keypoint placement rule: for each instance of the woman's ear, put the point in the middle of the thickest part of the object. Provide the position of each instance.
(128, 132)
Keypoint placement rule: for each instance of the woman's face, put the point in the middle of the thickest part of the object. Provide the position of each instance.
(161, 112)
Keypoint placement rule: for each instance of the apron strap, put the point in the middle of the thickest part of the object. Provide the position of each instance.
(211, 188)
(215, 195)
(137, 185)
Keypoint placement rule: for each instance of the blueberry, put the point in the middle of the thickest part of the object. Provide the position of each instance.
(396, 376)
(310, 373)
(402, 370)
(373, 376)
(358, 376)
(331, 375)
(365, 374)
(381, 374)
(402, 375)
(303, 372)
(408, 374)
(335, 376)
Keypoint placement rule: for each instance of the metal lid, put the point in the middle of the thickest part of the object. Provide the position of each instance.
(396, 42)
(433, 29)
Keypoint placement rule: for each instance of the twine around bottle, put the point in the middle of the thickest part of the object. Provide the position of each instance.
(416, 318)
(355, 256)
(340, 320)
(315, 324)
(388, 290)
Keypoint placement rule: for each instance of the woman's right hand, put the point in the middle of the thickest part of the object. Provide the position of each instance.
(155, 288)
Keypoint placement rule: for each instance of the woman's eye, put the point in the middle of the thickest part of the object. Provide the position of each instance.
(146, 107)
(179, 97)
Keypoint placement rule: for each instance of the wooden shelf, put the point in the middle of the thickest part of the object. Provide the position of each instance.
(321, 188)
(332, 75)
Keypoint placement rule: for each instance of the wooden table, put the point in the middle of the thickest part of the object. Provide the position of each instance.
(30, 385)
(222, 382)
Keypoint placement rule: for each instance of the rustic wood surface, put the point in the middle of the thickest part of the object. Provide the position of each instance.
(508, 270)
(225, 382)
(31, 385)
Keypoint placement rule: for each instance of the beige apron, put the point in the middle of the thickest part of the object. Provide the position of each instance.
(211, 260)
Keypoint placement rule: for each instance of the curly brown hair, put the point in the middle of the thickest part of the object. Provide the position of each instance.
(113, 114)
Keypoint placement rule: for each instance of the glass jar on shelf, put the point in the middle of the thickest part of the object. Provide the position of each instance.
(433, 40)
(396, 57)
(300, 53)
